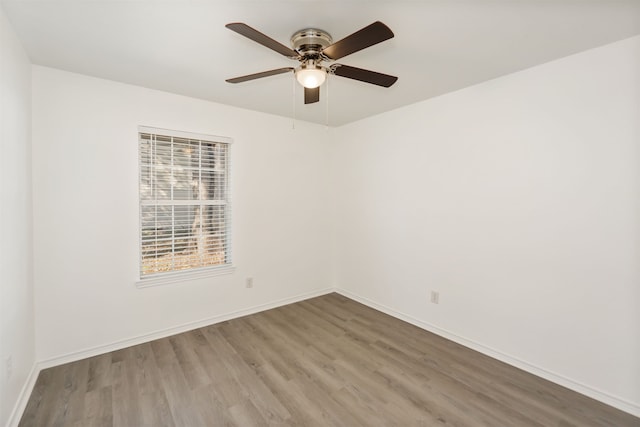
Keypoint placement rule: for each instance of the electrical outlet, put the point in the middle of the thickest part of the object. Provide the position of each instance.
(435, 297)
(9, 366)
(249, 282)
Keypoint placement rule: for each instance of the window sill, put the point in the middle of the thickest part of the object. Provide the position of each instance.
(182, 276)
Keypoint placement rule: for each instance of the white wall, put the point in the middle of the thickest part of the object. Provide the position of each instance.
(85, 183)
(16, 285)
(519, 201)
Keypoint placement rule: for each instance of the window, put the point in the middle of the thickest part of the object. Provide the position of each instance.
(184, 202)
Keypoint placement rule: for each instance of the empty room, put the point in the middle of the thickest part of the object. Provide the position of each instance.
(320, 213)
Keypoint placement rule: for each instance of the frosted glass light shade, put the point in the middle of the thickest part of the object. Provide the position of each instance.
(311, 77)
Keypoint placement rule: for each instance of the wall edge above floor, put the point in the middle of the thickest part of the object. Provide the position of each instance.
(38, 366)
(163, 333)
(23, 397)
(599, 395)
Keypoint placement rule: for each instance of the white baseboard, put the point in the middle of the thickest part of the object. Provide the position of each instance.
(604, 397)
(23, 397)
(38, 366)
(140, 339)
(27, 389)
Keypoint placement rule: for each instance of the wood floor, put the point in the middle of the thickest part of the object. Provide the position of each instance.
(327, 361)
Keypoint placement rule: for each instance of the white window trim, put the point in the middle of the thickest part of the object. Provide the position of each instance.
(187, 135)
(172, 277)
(184, 276)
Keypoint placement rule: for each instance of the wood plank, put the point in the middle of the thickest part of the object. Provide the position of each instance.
(327, 361)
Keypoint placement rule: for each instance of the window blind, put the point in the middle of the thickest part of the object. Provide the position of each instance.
(185, 214)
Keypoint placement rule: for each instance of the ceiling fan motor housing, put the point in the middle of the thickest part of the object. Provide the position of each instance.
(310, 42)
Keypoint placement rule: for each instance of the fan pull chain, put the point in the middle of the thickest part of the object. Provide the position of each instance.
(293, 120)
(326, 123)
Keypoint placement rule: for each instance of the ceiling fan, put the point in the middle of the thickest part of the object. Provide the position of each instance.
(312, 47)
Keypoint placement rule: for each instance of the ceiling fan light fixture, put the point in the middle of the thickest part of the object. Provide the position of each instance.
(311, 76)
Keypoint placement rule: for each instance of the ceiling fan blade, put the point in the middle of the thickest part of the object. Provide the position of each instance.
(259, 75)
(311, 95)
(258, 37)
(368, 36)
(366, 76)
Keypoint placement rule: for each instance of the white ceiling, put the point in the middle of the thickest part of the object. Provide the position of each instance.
(182, 46)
